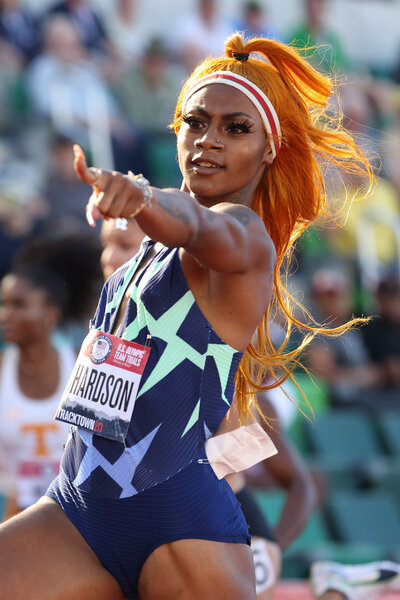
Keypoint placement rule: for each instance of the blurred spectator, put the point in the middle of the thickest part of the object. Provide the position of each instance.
(33, 375)
(315, 31)
(124, 31)
(199, 33)
(366, 237)
(75, 257)
(391, 149)
(87, 22)
(19, 29)
(147, 92)
(22, 208)
(342, 362)
(382, 334)
(13, 101)
(66, 89)
(62, 79)
(255, 21)
(19, 43)
(366, 242)
(66, 195)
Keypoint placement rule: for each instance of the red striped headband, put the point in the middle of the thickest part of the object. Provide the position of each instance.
(254, 94)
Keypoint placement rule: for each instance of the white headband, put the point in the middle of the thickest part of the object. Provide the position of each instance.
(254, 94)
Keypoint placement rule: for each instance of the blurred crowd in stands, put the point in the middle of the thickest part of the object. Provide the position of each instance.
(77, 74)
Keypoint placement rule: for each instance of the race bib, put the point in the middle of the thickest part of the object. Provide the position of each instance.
(264, 569)
(101, 392)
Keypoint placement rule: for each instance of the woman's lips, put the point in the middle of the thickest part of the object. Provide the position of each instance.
(203, 166)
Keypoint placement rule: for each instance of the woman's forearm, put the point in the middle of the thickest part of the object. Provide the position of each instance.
(171, 217)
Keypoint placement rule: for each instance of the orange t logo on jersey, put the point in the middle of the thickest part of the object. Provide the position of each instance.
(39, 431)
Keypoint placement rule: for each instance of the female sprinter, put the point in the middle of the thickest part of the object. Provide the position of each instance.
(146, 517)
(33, 375)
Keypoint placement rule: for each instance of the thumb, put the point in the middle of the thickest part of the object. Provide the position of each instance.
(87, 174)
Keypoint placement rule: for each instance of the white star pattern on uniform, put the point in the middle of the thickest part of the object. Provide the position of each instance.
(129, 461)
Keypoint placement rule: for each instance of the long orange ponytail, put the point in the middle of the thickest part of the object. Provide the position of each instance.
(291, 194)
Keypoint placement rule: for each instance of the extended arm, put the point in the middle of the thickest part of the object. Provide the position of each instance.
(227, 238)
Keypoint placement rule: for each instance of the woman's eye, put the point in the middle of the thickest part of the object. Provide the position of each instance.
(193, 122)
(239, 127)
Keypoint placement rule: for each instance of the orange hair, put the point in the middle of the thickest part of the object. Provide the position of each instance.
(291, 194)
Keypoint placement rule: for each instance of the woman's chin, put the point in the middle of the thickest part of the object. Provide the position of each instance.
(9, 338)
(207, 192)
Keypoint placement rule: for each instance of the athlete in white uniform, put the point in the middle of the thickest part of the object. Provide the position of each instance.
(31, 440)
(33, 375)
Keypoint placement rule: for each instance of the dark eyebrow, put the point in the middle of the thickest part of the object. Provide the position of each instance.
(201, 110)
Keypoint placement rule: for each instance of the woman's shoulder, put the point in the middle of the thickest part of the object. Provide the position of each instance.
(8, 355)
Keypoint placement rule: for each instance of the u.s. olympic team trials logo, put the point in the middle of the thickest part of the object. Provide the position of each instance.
(101, 349)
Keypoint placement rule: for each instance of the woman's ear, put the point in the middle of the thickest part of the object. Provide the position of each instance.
(268, 157)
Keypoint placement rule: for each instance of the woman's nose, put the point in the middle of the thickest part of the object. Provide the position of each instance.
(209, 140)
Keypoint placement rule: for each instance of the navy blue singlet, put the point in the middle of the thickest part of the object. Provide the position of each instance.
(128, 499)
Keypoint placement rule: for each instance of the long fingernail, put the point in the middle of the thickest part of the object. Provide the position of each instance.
(90, 220)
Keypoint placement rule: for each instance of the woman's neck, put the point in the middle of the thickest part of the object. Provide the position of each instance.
(36, 357)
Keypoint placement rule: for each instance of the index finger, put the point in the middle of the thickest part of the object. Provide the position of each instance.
(89, 175)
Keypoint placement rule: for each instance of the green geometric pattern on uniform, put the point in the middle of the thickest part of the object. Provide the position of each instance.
(219, 353)
(177, 349)
(193, 419)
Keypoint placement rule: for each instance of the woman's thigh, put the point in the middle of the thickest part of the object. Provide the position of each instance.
(197, 570)
(42, 555)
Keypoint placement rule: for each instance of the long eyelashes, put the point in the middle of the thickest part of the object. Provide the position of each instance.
(193, 122)
(233, 127)
(240, 127)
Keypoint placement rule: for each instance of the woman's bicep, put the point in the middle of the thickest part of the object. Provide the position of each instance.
(232, 239)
